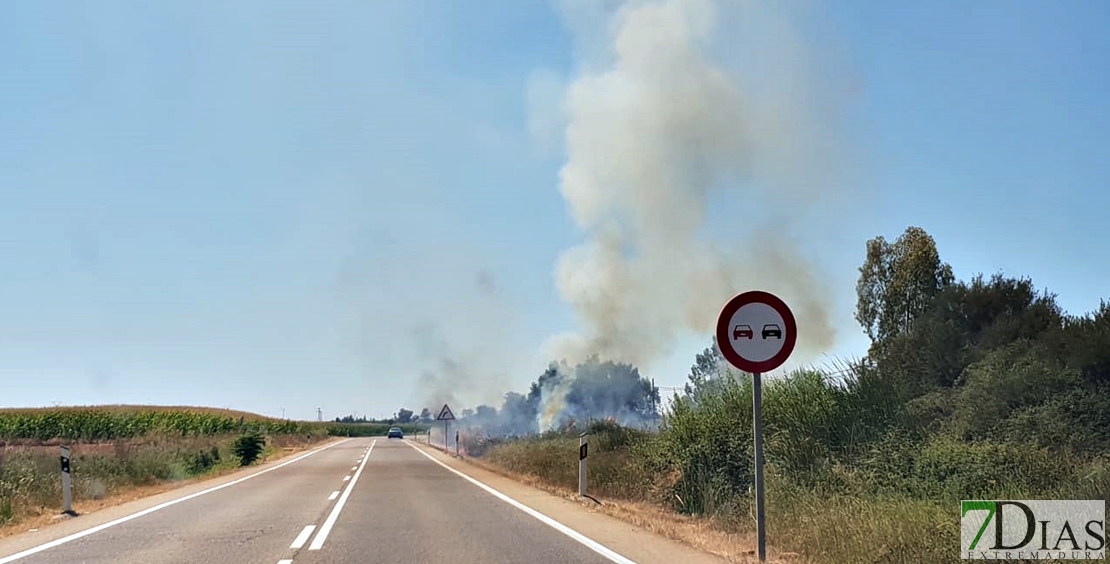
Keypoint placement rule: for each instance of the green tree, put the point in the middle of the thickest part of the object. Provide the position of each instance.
(403, 416)
(898, 282)
(967, 321)
(1086, 342)
(709, 366)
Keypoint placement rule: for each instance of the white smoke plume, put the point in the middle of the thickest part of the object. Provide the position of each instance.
(467, 361)
(665, 117)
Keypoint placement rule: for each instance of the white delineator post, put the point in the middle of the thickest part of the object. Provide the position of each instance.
(67, 483)
(583, 450)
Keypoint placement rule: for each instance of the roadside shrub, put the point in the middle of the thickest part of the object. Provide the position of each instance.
(248, 448)
(203, 461)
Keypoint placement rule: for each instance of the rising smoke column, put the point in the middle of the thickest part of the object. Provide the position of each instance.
(655, 127)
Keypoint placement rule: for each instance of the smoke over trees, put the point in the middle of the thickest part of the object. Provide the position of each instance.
(564, 395)
(662, 122)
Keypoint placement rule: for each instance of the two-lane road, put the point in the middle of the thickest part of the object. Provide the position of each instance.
(407, 508)
(358, 501)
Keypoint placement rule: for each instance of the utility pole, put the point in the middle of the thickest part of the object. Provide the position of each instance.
(320, 414)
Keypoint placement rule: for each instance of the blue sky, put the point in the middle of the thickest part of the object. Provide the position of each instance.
(263, 205)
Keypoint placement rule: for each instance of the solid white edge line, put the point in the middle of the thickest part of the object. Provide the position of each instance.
(593, 545)
(325, 529)
(333, 495)
(303, 537)
(149, 510)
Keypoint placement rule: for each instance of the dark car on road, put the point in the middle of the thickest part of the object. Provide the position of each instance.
(772, 330)
(396, 433)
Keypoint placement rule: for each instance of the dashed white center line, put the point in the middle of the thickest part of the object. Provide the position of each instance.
(325, 529)
(333, 495)
(345, 478)
(286, 561)
(303, 537)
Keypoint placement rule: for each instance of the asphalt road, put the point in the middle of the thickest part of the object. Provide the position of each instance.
(357, 501)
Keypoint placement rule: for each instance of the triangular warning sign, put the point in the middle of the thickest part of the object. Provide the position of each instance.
(445, 414)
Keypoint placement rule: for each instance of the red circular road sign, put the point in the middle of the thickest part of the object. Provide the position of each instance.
(756, 332)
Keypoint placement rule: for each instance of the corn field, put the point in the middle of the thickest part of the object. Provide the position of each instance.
(97, 424)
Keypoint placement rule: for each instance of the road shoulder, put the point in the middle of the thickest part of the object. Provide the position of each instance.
(636, 543)
(63, 527)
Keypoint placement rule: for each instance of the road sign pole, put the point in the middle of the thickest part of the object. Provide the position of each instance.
(583, 452)
(757, 429)
(67, 483)
(456, 442)
(445, 447)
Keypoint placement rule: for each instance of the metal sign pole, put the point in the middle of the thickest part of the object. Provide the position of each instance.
(445, 447)
(757, 424)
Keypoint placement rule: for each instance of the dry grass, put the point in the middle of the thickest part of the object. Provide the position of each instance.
(848, 523)
(702, 534)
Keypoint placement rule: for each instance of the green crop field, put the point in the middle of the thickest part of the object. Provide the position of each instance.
(111, 423)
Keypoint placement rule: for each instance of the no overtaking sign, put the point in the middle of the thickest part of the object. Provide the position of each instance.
(756, 333)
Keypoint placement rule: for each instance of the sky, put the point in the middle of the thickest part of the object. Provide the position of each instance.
(282, 206)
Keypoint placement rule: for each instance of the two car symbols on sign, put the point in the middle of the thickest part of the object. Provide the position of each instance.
(771, 330)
